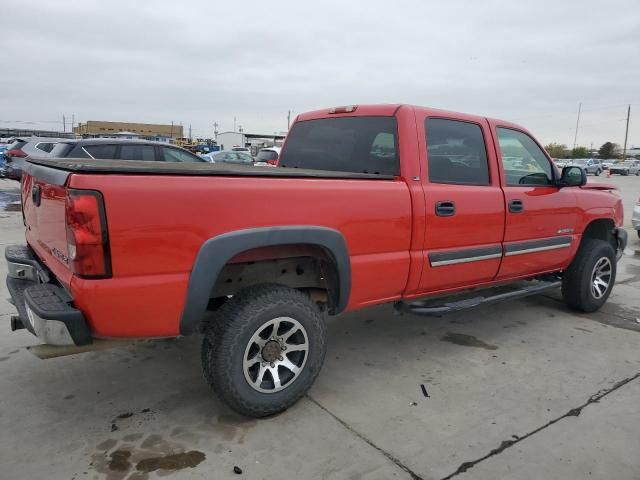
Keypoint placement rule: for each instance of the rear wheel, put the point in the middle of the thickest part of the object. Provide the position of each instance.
(598, 172)
(588, 281)
(264, 349)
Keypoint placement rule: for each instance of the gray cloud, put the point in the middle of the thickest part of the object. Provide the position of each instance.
(200, 62)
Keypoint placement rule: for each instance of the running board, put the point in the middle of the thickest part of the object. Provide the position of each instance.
(424, 307)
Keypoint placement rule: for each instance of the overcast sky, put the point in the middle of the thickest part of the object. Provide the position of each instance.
(204, 62)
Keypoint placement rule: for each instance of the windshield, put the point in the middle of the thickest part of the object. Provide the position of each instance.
(344, 144)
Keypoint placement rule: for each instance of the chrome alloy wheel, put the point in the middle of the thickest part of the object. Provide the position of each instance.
(601, 277)
(275, 355)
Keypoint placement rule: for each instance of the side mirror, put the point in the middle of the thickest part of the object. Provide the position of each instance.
(573, 177)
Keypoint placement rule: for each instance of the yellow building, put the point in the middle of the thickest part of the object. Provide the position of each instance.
(95, 127)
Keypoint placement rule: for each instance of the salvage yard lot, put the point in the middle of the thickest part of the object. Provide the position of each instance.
(531, 368)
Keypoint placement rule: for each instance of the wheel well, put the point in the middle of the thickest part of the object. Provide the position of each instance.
(601, 229)
(309, 268)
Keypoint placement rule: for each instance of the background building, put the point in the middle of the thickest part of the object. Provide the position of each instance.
(254, 141)
(96, 127)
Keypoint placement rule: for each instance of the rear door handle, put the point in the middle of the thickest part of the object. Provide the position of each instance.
(516, 206)
(445, 209)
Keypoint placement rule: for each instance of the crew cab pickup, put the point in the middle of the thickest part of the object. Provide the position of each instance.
(432, 210)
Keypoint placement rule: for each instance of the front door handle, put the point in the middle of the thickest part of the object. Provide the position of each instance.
(445, 209)
(516, 206)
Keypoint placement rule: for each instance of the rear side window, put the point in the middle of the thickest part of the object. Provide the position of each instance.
(102, 151)
(137, 152)
(347, 144)
(456, 152)
(45, 146)
(266, 155)
(175, 155)
(62, 149)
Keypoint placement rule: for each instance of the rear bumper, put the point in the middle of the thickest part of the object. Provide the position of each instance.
(44, 307)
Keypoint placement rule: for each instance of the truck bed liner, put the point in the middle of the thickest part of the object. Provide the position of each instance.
(139, 167)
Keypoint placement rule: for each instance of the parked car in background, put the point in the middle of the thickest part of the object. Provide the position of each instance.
(22, 148)
(268, 156)
(229, 156)
(606, 164)
(589, 165)
(3, 148)
(112, 149)
(629, 167)
(635, 218)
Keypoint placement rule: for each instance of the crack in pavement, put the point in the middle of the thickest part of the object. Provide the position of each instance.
(574, 412)
(389, 456)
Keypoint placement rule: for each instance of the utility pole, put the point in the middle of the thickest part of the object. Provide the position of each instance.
(189, 131)
(288, 120)
(64, 125)
(626, 133)
(575, 138)
(73, 121)
(215, 130)
(171, 129)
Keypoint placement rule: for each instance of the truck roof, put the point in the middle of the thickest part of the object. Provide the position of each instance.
(390, 109)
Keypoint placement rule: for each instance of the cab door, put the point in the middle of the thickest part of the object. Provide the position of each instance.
(540, 216)
(464, 203)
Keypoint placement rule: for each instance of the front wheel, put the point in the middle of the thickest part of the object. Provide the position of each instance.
(598, 173)
(588, 281)
(264, 349)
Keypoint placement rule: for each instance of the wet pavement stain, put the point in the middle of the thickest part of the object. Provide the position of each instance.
(176, 461)
(10, 201)
(467, 341)
(127, 459)
(2, 359)
(120, 461)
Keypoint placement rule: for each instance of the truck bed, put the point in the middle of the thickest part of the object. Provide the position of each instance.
(139, 167)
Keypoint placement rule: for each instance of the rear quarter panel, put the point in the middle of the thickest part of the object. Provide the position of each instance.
(157, 224)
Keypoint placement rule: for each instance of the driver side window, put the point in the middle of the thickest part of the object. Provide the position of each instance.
(523, 161)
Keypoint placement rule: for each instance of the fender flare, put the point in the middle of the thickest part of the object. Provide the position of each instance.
(215, 253)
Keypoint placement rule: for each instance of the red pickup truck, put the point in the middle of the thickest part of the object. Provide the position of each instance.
(433, 210)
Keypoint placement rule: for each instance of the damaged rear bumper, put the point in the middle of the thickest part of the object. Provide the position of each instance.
(44, 307)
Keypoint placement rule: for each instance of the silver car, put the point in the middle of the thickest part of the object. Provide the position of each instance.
(589, 165)
(22, 148)
(635, 219)
(629, 167)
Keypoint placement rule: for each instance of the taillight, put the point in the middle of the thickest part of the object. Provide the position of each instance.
(15, 153)
(87, 237)
(273, 162)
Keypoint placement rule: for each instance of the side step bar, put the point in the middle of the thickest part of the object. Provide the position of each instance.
(423, 307)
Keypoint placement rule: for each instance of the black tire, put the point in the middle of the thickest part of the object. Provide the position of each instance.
(638, 232)
(233, 328)
(577, 279)
(597, 172)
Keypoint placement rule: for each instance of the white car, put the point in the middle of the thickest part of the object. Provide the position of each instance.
(268, 157)
(635, 219)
